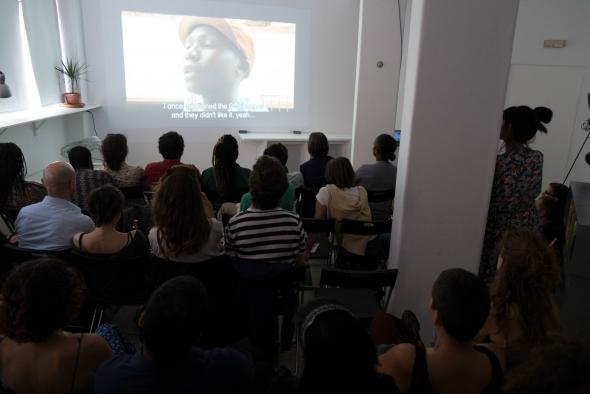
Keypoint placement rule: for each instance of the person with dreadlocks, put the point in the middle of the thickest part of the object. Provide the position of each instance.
(15, 192)
(226, 181)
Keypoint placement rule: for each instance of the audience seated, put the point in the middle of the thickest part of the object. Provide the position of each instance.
(184, 227)
(105, 206)
(278, 151)
(338, 354)
(51, 223)
(171, 147)
(39, 299)
(226, 181)
(87, 178)
(459, 308)
(264, 241)
(314, 170)
(524, 312)
(114, 152)
(380, 176)
(341, 199)
(170, 362)
(15, 192)
(561, 366)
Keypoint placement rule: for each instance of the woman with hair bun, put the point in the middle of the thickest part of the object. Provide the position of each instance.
(380, 176)
(517, 181)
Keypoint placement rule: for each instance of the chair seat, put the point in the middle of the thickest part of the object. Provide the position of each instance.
(362, 302)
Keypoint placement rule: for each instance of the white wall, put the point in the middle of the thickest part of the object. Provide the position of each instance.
(457, 73)
(552, 80)
(327, 81)
(376, 88)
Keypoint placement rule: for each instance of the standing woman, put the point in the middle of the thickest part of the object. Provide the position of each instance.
(517, 181)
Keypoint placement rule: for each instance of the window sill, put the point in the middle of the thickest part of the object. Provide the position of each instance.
(19, 118)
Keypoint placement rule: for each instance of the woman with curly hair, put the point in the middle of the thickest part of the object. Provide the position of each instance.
(524, 312)
(184, 228)
(15, 192)
(39, 299)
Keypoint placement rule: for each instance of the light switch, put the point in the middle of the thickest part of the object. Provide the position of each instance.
(554, 43)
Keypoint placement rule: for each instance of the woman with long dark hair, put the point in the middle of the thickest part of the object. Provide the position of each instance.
(15, 192)
(184, 228)
(517, 181)
(114, 152)
(226, 181)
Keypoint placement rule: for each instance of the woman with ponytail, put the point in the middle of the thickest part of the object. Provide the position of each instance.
(517, 181)
(380, 176)
(524, 313)
(226, 181)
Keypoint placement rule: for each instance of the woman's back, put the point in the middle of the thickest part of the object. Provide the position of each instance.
(62, 363)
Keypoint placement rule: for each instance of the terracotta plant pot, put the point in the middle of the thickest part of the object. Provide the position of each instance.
(72, 98)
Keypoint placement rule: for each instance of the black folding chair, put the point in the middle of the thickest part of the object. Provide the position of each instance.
(324, 228)
(306, 201)
(116, 279)
(380, 195)
(377, 251)
(363, 292)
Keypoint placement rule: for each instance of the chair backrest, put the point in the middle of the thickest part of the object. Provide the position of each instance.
(306, 201)
(380, 195)
(117, 279)
(357, 227)
(355, 279)
(15, 254)
(318, 225)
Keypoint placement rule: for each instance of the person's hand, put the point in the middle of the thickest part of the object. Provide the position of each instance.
(207, 206)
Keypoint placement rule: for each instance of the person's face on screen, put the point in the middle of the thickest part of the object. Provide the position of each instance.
(213, 66)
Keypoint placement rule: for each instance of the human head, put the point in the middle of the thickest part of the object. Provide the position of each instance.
(105, 205)
(268, 182)
(225, 154)
(114, 151)
(551, 204)
(80, 158)
(174, 318)
(526, 279)
(278, 151)
(171, 145)
(340, 173)
(178, 212)
(520, 124)
(219, 55)
(323, 327)
(39, 298)
(317, 145)
(384, 148)
(59, 179)
(12, 171)
(559, 366)
(460, 304)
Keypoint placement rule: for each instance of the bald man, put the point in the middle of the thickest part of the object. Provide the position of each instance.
(51, 223)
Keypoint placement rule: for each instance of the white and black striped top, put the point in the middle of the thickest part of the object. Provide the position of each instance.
(274, 235)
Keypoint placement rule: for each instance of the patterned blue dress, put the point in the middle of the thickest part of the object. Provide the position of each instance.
(517, 182)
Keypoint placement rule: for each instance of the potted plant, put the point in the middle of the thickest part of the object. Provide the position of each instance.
(72, 72)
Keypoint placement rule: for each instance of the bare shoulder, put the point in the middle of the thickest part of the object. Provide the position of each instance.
(398, 358)
(95, 349)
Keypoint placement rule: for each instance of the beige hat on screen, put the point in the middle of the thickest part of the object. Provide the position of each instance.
(230, 29)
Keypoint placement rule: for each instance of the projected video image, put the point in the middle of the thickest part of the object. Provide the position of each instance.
(215, 65)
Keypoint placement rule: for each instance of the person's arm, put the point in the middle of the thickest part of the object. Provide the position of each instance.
(398, 362)
(303, 255)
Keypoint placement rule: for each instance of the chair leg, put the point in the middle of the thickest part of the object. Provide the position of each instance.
(100, 317)
(92, 321)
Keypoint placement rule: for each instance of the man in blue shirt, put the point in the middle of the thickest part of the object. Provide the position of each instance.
(170, 363)
(51, 223)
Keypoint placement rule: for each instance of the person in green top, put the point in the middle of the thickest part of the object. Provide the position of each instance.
(287, 202)
(226, 181)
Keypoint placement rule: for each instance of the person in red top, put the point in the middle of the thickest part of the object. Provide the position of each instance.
(171, 147)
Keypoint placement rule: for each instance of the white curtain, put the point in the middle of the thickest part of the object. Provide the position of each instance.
(12, 57)
(41, 24)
